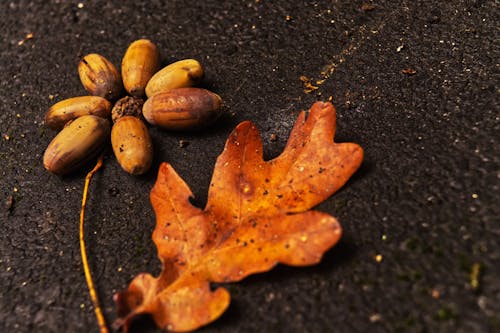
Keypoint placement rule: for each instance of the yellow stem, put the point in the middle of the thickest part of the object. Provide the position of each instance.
(93, 295)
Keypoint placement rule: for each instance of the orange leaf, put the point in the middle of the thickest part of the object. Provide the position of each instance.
(257, 215)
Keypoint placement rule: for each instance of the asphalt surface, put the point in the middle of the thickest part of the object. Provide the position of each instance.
(420, 250)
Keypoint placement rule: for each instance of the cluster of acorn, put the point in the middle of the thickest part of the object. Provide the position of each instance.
(172, 103)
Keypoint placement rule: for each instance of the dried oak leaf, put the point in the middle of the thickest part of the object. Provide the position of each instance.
(257, 215)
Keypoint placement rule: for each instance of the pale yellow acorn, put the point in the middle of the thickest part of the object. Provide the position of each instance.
(182, 108)
(132, 145)
(62, 112)
(77, 143)
(183, 73)
(99, 77)
(140, 62)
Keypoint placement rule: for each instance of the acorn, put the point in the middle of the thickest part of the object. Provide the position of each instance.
(78, 143)
(172, 104)
(182, 108)
(127, 106)
(183, 73)
(140, 62)
(62, 112)
(132, 145)
(99, 77)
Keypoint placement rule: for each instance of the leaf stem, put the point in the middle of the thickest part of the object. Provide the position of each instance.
(93, 294)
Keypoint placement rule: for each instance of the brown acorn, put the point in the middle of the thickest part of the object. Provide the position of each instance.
(62, 112)
(182, 108)
(99, 77)
(77, 143)
(132, 145)
(127, 106)
(183, 73)
(140, 62)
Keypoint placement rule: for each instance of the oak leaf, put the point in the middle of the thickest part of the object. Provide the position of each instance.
(257, 215)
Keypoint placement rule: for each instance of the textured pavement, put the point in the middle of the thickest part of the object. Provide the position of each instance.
(420, 250)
